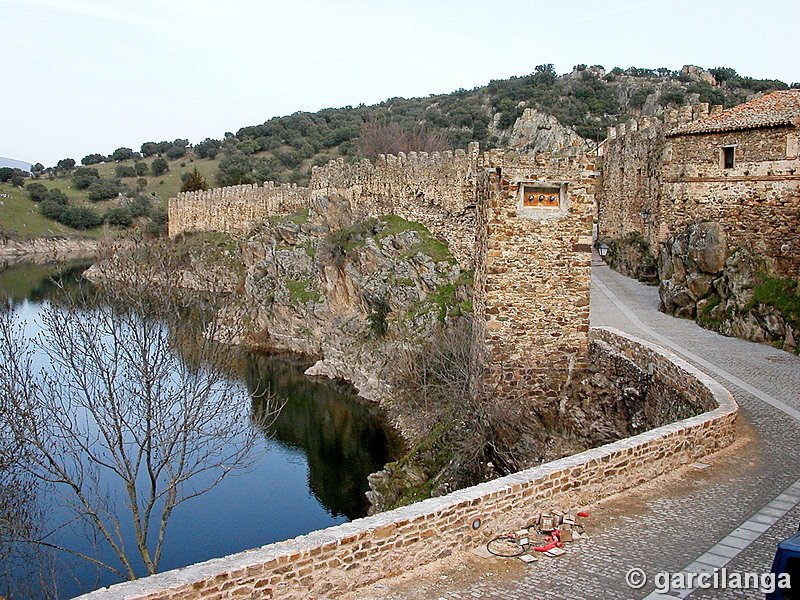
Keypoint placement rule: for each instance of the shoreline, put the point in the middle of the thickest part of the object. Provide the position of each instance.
(45, 250)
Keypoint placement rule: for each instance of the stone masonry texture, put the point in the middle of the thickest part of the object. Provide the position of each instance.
(661, 175)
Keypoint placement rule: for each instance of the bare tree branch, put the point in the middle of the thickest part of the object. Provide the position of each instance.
(135, 407)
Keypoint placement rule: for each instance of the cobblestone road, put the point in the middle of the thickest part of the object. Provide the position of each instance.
(741, 506)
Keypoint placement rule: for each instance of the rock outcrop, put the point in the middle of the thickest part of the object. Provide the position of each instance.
(349, 291)
(731, 291)
(535, 131)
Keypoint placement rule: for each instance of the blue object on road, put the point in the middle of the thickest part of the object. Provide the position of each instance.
(787, 560)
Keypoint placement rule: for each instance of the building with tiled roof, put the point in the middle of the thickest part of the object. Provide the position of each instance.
(780, 108)
(738, 167)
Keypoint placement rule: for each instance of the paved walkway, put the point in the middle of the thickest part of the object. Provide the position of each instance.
(731, 514)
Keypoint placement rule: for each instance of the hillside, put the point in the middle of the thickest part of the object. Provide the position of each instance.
(584, 102)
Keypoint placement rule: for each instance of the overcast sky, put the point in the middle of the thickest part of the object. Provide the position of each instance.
(85, 76)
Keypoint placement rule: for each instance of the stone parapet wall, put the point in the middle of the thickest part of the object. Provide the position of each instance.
(436, 189)
(232, 209)
(355, 554)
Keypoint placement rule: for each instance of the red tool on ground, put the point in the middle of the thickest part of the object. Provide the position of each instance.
(554, 541)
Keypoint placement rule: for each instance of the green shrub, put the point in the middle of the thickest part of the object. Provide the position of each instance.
(57, 196)
(36, 191)
(159, 166)
(103, 189)
(80, 217)
(119, 216)
(51, 210)
(125, 171)
(139, 206)
(83, 177)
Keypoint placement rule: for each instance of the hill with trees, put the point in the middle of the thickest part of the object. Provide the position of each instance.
(587, 100)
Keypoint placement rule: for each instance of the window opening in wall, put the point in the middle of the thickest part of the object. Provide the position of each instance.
(727, 157)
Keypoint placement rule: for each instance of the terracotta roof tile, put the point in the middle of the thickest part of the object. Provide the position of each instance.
(771, 110)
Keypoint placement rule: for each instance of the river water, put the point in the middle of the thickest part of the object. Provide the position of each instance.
(312, 473)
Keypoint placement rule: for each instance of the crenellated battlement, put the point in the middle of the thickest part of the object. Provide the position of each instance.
(668, 119)
(233, 208)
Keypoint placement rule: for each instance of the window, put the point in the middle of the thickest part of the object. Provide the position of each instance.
(727, 157)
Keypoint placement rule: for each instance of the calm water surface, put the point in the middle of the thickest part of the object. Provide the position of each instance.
(313, 474)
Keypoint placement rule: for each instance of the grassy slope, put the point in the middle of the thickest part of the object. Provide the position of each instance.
(20, 216)
(169, 184)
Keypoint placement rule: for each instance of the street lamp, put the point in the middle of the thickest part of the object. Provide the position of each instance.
(602, 250)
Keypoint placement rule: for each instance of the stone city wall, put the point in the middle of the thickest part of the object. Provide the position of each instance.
(437, 190)
(629, 197)
(352, 555)
(235, 208)
(631, 182)
(434, 189)
(532, 266)
(534, 270)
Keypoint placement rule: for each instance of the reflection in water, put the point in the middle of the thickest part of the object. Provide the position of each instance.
(320, 451)
(36, 283)
(344, 438)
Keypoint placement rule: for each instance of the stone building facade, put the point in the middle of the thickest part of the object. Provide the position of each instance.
(738, 167)
(521, 222)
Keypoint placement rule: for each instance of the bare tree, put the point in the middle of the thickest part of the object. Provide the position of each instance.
(388, 137)
(134, 408)
(444, 383)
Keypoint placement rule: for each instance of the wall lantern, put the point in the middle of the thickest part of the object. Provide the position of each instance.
(646, 214)
(602, 250)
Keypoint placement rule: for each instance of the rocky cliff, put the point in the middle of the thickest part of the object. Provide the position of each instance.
(350, 292)
(730, 290)
(535, 131)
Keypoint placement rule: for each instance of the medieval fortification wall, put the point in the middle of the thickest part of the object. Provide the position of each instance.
(434, 189)
(656, 184)
(532, 263)
(232, 209)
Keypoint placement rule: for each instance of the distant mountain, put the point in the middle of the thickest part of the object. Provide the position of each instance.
(15, 164)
